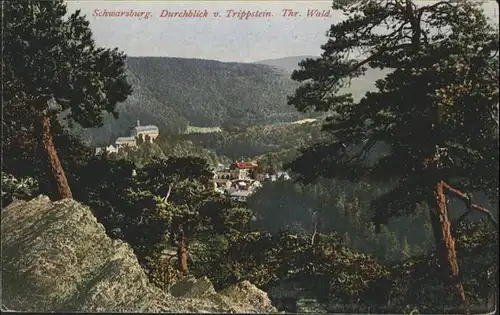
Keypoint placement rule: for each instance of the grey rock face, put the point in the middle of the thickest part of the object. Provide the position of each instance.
(57, 257)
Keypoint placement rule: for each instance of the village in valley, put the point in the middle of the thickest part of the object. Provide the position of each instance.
(238, 180)
(241, 179)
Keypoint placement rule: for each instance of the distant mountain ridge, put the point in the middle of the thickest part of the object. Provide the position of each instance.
(287, 63)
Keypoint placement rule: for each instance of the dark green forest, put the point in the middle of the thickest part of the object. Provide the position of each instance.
(393, 202)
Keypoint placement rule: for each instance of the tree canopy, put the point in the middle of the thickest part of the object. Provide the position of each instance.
(51, 56)
(53, 70)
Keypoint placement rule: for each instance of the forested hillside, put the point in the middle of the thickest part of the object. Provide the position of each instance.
(258, 140)
(173, 93)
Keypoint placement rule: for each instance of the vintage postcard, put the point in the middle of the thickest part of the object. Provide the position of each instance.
(334, 156)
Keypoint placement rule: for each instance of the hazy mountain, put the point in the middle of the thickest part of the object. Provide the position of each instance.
(288, 63)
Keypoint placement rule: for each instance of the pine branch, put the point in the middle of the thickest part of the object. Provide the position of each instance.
(470, 205)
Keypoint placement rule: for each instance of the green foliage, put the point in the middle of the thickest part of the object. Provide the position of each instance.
(148, 210)
(104, 185)
(55, 76)
(158, 174)
(424, 105)
(22, 154)
(357, 87)
(17, 189)
(132, 208)
(477, 246)
(161, 271)
(433, 118)
(327, 267)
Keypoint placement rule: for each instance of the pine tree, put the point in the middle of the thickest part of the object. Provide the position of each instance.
(432, 122)
(52, 66)
(169, 180)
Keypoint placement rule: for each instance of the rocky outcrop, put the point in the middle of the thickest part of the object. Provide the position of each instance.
(241, 297)
(57, 257)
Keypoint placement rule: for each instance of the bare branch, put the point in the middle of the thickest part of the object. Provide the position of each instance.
(165, 199)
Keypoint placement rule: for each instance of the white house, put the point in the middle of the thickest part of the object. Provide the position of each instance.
(126, 141)
(108, 149)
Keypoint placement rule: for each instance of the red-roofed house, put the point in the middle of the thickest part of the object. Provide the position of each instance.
(241, 169)
(244, 165)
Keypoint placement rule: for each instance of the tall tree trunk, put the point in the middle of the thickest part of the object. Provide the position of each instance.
(445, 242)
(62, 190)
(445, 245)
(182, 254)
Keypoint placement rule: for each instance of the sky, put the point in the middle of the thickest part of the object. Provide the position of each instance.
(226, 38)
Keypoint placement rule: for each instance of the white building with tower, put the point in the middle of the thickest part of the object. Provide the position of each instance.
(150, 130)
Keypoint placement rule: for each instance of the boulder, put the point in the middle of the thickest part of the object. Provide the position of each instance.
(192, 287)
(56, 257)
